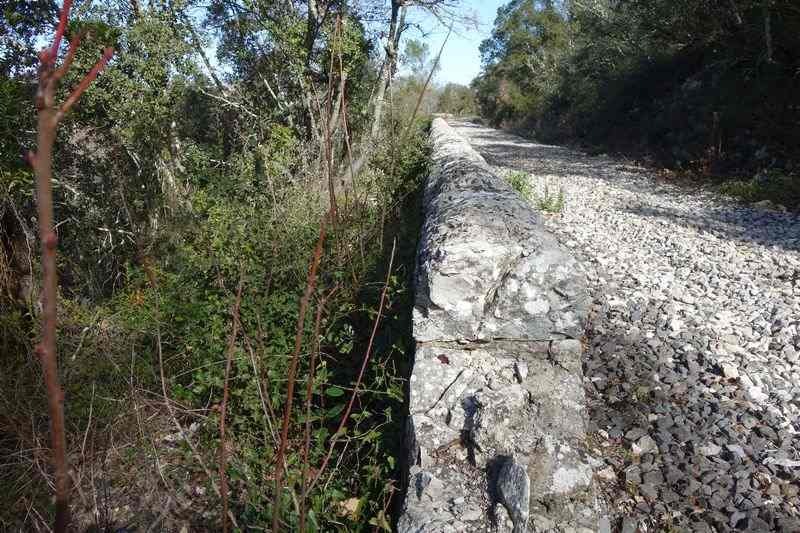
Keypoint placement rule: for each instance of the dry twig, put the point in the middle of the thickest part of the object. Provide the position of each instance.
(298, 342)
(223, 475)
(309, 392)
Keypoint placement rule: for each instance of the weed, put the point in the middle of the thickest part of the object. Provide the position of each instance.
(547, 202)
(520, 182)
(778, 188)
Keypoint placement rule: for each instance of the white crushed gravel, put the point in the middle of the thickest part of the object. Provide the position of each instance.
(694, 340)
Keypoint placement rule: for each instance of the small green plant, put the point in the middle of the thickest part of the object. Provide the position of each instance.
(520, 182)
(550, 202)
(774, 186)
(747, 191)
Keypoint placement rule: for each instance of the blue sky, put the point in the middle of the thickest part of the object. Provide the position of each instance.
(460, 60)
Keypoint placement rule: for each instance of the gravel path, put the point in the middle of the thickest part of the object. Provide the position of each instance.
(693, 362)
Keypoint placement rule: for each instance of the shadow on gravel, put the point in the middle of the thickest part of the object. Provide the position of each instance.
(740, 224)
(641, 394)
(688, 449)
(720, 217)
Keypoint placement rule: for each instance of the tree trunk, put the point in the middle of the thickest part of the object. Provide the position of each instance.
(396, 24)
(312, 28)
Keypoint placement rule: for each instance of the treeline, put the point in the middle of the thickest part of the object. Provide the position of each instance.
(236, 207)
(416, 86)
(706, 85)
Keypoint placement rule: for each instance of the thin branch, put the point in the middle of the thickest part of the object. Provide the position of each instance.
(167, 402)
(364, 362)
(73, 46)
(230, 103)
(309, 393)
(427, 83)
(198, 45)
(42, 163)
(223, 475)
(736, 13)
(84, 84)
(62, 26)
(298, 342)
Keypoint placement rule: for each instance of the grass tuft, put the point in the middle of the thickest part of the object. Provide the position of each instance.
(548, 202)
(778, 188)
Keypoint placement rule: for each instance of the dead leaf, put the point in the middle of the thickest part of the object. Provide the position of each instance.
(349, 508)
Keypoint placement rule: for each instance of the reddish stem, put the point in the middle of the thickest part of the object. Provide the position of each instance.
(73, 46)
(84, 84)
(364, 362)
(298, 342)
(223, 460)
(309, 393)
(48, 118)
(60, 29)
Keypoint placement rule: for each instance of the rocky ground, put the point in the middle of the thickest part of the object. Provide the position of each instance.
(692, 366)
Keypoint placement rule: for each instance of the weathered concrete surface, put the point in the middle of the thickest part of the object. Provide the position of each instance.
(487, 267)
(496, 437)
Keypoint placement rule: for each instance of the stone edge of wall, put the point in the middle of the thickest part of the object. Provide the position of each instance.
(495, 434)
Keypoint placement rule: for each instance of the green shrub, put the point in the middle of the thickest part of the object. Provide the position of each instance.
(778, 188)
(520, 182)
(271, 244)
(550, 202)
(169, 198)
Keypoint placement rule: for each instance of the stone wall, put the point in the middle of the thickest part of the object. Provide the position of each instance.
(495, 435)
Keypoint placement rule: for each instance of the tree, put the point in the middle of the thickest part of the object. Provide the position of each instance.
(417, 58)
(457, 99)
(521, 58)
(676, 76)
(21, 22)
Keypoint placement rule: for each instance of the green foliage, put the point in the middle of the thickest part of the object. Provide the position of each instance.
(457, 100)
(710, 86)
(548, 201)
(171, 187)
(520, 182)
(521, 59)
(21, 21)
(778, 188)
(417, 59)
(16, 178)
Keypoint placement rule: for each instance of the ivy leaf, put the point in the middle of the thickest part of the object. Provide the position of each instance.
(334, 392)
(335, 411)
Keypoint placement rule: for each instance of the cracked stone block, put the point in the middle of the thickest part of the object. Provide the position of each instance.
(496, 397)
(561, 485)
(487, 268)
(429, 506)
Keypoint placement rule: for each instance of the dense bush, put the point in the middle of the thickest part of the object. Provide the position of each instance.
(706, 86)
(458, 100)
(180, 180)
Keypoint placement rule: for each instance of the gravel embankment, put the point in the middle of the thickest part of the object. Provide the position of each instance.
(692, 366)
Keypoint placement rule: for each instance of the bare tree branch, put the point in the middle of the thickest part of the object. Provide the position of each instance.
(49, 116)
